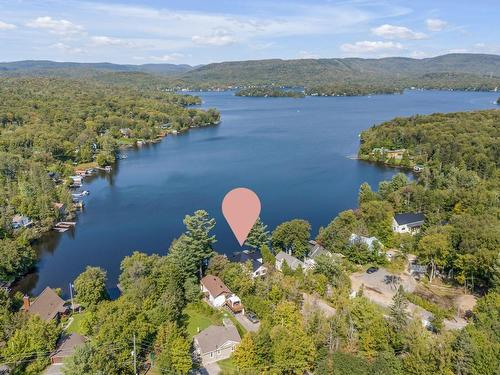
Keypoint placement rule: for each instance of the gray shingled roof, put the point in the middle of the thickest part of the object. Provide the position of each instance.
(315, 250)
(410, 219)
(292, 262)
(214, 337)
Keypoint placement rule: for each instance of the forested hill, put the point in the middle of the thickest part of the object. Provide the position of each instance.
(45, 68)
(307, 72)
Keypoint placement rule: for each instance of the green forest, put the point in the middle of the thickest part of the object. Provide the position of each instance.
(50, 125)
(269, 92)
(161, 304)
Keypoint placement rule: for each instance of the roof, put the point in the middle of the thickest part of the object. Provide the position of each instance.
(410, 219)
(244, 256)
(47, 305)
(214, 285)
(67, 345)
(369, 241)
(293, 262)
(216, 336)
(315, 250)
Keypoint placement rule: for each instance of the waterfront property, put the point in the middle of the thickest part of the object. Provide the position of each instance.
(315, 250)
(408, 222)
(254, 258)
(66, 346)
(290, 260)
(48, 305)
(216, 343)
(21, 221)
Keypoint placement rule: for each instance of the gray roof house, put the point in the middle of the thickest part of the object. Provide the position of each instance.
(315, 250)
(368, 241)
(254, 257)
(21, 221)
(408, 222)
(216, 343)
(292, 262)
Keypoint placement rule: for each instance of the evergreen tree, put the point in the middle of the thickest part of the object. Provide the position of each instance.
(258, 236)
(267, 256)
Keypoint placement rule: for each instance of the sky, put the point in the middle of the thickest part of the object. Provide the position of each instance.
(206, 31)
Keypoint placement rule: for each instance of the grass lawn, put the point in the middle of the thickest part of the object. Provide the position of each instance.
(75, 325)
(227, 366)
(200, 316)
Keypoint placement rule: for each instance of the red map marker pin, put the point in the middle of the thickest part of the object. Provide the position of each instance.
(241, 208)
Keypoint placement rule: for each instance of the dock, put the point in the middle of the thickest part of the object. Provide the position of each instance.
(63, 226)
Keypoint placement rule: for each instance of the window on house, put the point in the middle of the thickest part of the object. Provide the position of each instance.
(211, 354)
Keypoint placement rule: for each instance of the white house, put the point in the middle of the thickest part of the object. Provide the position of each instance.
(215, 290)
(292, 262)
(216, 343)
(407, 222)
(368, 241)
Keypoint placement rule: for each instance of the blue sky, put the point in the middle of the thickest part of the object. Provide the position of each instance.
(204, 31)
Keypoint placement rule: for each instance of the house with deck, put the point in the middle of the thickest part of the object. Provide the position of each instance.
(408, 222)
(216, 343)
(48, 305)
(254, 258)
(219, 295)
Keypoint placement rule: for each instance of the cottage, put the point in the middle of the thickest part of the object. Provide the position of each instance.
(20, 221)
(370, 242)
(216, 343)
(215, 290)
(255, 259)
(407, 222)
(290, 260)
(315, 250)
(66, 347)
(48, 305)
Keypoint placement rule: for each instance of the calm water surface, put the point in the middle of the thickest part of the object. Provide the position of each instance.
(292, 152)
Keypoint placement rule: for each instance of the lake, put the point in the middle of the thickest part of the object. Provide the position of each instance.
(294, 153)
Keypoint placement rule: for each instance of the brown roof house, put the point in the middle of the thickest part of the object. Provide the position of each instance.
(218, 294)
(48, 305)
(216, 343)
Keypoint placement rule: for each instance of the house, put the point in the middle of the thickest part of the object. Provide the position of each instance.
(76, 181)
(48, 305)
(215, 290)
(370, 242)
(407, 222)
(255, 258)
(66, 347)
(20, 221)
(315, 250)
(125, 132)
(216, 343)
(290, 260)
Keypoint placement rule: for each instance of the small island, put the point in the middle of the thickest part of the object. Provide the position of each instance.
(270, 92)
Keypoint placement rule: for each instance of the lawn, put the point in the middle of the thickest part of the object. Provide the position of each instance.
(200, 316)
(227, 366)
(75, 326)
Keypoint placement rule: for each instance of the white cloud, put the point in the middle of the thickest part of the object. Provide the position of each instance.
(7, 26)
(59, 27)
(397, 32)
(102, 41)
(66, 48)
(307, 55)
(167, 58)
(435, 24)
(219, 38)
(370, 47)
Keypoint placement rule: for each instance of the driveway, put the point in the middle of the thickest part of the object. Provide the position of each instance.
(211, 369)
(247, 324)
(55, 369)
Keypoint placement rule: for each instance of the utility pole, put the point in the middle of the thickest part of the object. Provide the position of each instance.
(71, 294)
(134, 353)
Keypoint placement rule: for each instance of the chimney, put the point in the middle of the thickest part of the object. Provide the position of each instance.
(26, 302)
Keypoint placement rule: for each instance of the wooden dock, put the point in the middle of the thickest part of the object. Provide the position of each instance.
(63, 226)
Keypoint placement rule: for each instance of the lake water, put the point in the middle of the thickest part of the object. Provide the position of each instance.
(292, 152)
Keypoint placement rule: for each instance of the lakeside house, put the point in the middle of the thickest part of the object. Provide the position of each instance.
(255, 259)
(48, 305)
(315, 251)
(290, 260)
(370, 242)
(408, 222)
(76, 181)
(219, 295)
(390, 154)
(21, 221)
(216, 343)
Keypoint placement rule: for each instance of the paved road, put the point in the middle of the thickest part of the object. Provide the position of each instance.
(54, 369)
(247, 324)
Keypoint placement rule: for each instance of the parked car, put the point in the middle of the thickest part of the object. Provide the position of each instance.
(252, 317)
(371, 270)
